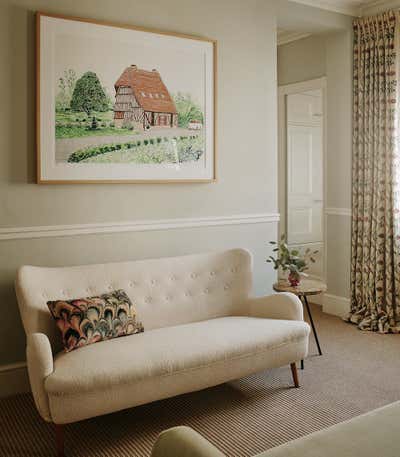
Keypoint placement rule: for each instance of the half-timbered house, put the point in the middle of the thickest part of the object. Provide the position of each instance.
(142, 100)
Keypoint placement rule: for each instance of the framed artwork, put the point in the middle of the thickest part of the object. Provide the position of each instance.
(123, 104)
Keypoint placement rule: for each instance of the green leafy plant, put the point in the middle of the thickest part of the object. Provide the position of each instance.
(292, 260)
(188, 109)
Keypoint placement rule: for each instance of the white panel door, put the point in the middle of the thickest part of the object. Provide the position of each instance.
(304, 108)
(305, 186)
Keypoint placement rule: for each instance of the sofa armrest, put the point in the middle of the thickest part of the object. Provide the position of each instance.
(40, 365)
(284, 305)
(183, 442)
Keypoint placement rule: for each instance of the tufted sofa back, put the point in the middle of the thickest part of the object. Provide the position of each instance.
(166, 291)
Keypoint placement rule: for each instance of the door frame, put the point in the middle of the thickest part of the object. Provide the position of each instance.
(283, 91)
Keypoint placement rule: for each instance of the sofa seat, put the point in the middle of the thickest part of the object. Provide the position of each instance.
(170, 350)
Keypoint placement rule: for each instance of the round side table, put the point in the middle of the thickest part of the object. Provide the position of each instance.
(303, 290)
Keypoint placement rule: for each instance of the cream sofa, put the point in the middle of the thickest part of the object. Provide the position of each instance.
(375, 434)
(202, 328)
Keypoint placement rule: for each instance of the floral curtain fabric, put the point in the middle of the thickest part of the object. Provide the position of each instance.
(375, 269)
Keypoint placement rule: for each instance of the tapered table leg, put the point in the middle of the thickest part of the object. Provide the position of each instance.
(312, 324)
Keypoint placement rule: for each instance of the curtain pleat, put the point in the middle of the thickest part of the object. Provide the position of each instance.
(375, 262)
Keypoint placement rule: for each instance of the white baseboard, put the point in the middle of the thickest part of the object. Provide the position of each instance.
(13, 379)
(338, 306)
(316, 299)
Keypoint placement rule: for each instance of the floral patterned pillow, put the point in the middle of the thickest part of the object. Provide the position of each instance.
(86, 321)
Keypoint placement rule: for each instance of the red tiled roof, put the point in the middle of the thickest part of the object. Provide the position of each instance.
(149, 89)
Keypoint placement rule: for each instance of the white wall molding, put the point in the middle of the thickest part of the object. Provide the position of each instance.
(348, 7)
(12, 366)
(338, 211)
(15, 233)
(377, 6)
(338, 306)
(286, 36)
(352, 7)
(302, 86)
(13, 379)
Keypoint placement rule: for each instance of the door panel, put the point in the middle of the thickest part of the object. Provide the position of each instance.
(305, 189)
(304, 174)
(304, 108)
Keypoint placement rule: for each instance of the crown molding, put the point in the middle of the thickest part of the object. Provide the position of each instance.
(377, 6)
(357, 9)
(334, 5)
(285, 37)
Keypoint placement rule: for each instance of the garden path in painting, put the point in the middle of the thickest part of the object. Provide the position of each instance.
(66, 146)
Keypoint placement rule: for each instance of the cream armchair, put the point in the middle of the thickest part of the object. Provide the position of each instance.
(370, 435)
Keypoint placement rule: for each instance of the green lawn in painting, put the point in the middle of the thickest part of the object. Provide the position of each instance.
(72, 125)
(161, 150)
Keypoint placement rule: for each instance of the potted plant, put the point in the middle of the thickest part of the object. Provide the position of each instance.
(291, 260)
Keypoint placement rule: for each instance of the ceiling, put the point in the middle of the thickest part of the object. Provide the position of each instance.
(352, 7)
(289, 31)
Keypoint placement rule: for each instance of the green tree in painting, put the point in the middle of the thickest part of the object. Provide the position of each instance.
(66, 85)
(89, 95)
(188, 109)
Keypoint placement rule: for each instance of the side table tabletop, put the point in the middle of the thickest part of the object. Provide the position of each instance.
(303, 290)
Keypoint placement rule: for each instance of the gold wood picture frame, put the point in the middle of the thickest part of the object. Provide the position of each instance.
(123, 104)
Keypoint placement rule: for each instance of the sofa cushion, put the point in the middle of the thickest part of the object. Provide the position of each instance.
(84, 321)
(167, 351)
(375, 434)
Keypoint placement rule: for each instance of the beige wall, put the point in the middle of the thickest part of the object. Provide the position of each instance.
(247, 158)
(339, 149)
(329, 55)
(302, 60)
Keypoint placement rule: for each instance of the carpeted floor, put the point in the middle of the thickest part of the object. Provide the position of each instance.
(358, 372)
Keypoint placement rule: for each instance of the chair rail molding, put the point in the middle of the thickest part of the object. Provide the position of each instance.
(14, 233)
(338, 212)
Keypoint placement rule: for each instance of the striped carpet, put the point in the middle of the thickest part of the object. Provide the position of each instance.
(358, 372)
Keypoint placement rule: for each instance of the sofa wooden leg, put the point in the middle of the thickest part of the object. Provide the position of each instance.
(59, 429)
(293, 367)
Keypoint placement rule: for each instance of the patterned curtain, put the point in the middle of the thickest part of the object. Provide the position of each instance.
(375, 269)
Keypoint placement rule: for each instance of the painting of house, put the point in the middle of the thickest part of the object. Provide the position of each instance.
(142, 100)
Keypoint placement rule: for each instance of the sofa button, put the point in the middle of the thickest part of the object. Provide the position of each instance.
(206, 291)
(153, 282)
(193, 276)
(212, 273)
(148, 299)
(227, 287)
